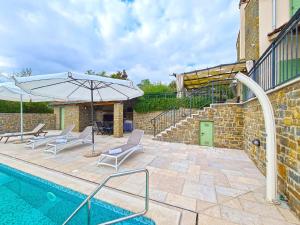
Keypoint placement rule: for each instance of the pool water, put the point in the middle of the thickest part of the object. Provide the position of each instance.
(29, 200)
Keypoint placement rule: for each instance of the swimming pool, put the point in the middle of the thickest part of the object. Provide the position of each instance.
(26, 199)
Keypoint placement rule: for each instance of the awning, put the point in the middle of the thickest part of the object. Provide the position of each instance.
(221, 74)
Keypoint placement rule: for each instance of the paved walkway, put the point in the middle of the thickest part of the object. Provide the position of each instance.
(222, 186)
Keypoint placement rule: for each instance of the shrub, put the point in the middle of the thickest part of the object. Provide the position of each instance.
(158, 88)
(28, 107)
(155, 103)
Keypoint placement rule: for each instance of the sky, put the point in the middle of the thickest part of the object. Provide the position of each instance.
(150, 39)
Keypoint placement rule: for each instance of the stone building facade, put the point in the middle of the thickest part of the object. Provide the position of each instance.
(252, 30)
(80, 116)
(10, 122)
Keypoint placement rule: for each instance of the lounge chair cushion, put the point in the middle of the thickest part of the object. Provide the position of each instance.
(123, 148)
(115, 151)
(61, 140)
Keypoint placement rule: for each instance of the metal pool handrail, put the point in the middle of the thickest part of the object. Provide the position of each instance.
(100, 186)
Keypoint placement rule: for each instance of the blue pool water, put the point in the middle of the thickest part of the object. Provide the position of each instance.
(29, 200)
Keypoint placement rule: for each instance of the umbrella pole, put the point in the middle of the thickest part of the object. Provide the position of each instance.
(21, 116)
(92, 114)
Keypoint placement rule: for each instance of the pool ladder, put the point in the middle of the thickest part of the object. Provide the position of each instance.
(100, 186)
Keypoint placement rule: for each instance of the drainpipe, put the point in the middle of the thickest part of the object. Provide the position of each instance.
(268, 113)
(274, 14)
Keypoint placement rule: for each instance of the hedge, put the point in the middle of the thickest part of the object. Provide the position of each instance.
(28, 107)
(148, 104)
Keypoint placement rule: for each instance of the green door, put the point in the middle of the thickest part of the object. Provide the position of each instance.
(206, 133)
(62, 118)
(294, 6)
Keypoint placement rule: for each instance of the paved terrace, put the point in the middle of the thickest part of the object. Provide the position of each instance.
(188, 183)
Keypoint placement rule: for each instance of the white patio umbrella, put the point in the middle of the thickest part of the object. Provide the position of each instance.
(10, 92)
(71, 86)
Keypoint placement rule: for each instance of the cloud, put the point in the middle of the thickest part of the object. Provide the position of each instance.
(150, 39)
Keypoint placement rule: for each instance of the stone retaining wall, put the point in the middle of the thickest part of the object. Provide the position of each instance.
(228, 127)
(10, 122)
(286, 105)
(143, 120)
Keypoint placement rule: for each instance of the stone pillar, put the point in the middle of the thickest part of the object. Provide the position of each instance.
(118, 120)
(56, 111)
(239, 91)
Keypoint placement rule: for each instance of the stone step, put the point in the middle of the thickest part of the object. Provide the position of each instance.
(176, 133)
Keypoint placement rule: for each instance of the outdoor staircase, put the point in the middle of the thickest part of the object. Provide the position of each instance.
(184, 130)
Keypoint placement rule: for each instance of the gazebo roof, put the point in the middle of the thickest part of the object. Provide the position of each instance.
(221, 74)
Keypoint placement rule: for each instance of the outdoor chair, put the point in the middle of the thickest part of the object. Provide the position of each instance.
(100, 128)
(37, 131)
(103, 128)
(39, 141)
(60, 144)
(115, 157)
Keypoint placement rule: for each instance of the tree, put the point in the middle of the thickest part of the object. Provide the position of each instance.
(124, 75)
(92, 72)
(173, 85)
(119, 75)
(158, 87)
(26, 72)
(145, 82)
(102, 74)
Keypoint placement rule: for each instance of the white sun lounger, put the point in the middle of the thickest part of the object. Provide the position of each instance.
(115, 157)
(60, 144)
(39, 141)
(35, 132)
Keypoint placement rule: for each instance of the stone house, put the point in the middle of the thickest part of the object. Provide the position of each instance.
(260, 23)
(78, 113)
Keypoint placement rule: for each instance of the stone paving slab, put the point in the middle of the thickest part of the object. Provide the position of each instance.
(222, 186)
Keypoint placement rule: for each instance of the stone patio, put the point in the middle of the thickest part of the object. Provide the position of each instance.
(217, 186)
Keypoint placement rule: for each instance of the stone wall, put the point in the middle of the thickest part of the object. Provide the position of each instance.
(10, 122)
(72, 116)
(118, 120)
(84, 117)
(286, 105)
(143, 120)
(228, 127)
(252, 30)
(56, 111)
(238, 48)
(229, 124)
(79, 115)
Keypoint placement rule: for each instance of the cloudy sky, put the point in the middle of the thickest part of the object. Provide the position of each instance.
(149, 38)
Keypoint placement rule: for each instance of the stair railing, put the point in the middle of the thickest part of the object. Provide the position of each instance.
(196, 99)
(169, 118)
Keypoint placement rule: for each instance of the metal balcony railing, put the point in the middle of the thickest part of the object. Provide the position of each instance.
(280, 63)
